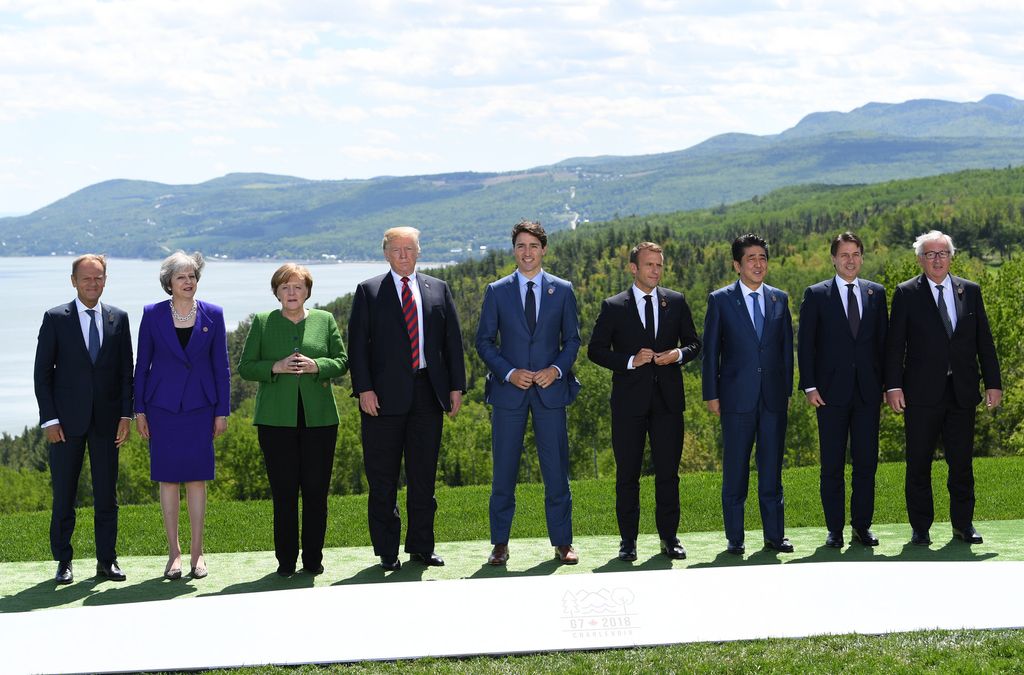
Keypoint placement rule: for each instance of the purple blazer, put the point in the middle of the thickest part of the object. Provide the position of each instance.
(177, 379)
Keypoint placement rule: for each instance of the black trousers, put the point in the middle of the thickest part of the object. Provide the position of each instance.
(629, 431)
(66, 461)
(858, 424)
(416, 436)
(924, 426)
(299, 459)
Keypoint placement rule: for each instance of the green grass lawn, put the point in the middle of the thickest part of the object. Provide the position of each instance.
(240, 542)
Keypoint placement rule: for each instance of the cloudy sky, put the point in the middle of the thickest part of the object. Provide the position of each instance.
(185, 91)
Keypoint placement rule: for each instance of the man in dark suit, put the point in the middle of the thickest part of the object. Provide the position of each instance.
(938, 337)
(83, 384)
(643, 335)
(528, 337)
(747, 380)
(841, 347)
(407, 368)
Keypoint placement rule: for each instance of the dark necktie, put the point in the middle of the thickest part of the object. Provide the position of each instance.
(852, 309)
(94, 336)
(649, 319)
(758, 316)
(944, 313)
(531, 307)
(412, 323)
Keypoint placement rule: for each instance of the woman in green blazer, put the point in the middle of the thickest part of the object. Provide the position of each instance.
(294, 353)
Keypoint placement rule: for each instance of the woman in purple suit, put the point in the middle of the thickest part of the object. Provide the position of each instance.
(182, 396)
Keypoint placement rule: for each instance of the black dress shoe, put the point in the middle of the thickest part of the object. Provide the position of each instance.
(920, 538)
(968, 535)
(835, 540)
(319, 569)
(391, 563)
(673, 548)
(736, 548)
(64, 575)
(429, 559)
(285, 571)
(110, 571)
(627, 550)
(865, 536)
(781, 546)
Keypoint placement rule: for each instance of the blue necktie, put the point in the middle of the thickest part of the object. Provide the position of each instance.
(94, 336)
(758, 316)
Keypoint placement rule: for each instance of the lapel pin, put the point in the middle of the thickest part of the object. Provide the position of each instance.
(206, 329)
(774, 298)
(959, 289)
(663, 303)
(871, 291)
(551, 290)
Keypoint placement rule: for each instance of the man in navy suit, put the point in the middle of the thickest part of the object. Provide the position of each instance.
(528, 337)
(644, 335)
(841, 348)
(938, 339)
(83, 384)
(406, 362)
(747, 381)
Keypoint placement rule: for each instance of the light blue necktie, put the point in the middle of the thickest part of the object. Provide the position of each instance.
(758, 316)
(94, 336)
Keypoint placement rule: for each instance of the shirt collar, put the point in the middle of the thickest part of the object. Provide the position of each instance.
(398, 278)
(638, 294)
(746, 291)
(81, 307)
(537, 279)
(841, 282)
(946, 283)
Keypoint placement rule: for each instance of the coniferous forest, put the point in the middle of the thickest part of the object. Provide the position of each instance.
(982, 210)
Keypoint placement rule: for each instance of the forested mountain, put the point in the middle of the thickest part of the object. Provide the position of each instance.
(982, 210)
(257, 215)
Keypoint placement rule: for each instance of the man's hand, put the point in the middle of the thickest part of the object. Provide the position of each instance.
(993, 397)
(895, 400)
(124, 429)
(456, 398)
(54, 433)
(522, 378)
(643, 357)
(715, 407)
(814, 398)
(545, 378)
(368, 403)
(667, 357)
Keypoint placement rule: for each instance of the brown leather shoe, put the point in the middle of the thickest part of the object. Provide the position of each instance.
(499, 556)
(566, 555)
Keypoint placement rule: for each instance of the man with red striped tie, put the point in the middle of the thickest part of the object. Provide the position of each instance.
(407, 369)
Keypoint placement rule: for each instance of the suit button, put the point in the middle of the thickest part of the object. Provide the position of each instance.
(759, 370)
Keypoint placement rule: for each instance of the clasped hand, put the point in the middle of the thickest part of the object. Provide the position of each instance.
(645, 356)
(295, 364)
(523, 378)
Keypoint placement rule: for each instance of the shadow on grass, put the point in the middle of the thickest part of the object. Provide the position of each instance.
(268, 582)
(503, 572)
(47, 594)
(655, 562)
(375, 574)
(151, 589)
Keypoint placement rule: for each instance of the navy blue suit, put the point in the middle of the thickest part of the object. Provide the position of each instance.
(752, 379)
(847, 372)
(89, 399)
(505, 343)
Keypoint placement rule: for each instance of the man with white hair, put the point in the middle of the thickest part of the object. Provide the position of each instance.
(938, 338)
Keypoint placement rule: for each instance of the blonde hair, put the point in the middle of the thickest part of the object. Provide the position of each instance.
(396, 232)
(289, 270)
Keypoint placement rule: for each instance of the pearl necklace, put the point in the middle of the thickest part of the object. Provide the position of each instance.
(179, 318)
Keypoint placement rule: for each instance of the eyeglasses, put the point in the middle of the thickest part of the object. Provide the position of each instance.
(932, 255)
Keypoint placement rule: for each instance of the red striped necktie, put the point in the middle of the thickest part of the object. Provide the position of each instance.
(412, 323)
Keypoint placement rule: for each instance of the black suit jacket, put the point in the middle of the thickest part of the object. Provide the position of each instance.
(830, 358)
(379, 353)
(68, 386)
(619, 334)
(919, 354)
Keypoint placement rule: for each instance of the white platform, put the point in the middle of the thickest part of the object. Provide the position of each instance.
(538, 613)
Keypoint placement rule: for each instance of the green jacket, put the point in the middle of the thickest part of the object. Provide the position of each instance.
(273, 337)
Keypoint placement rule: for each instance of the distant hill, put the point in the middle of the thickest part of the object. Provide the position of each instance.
(257, 215)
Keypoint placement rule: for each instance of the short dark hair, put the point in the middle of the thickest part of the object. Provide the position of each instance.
(634, 254)
(847, 237)
(530, 227)
(741, 243)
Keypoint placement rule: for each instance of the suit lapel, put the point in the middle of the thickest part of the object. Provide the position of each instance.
(958, 298)
(425, 295)
(924, 286)
(739, 304)
(75, 326)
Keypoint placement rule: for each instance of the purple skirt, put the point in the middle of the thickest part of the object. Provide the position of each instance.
(180, 444)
